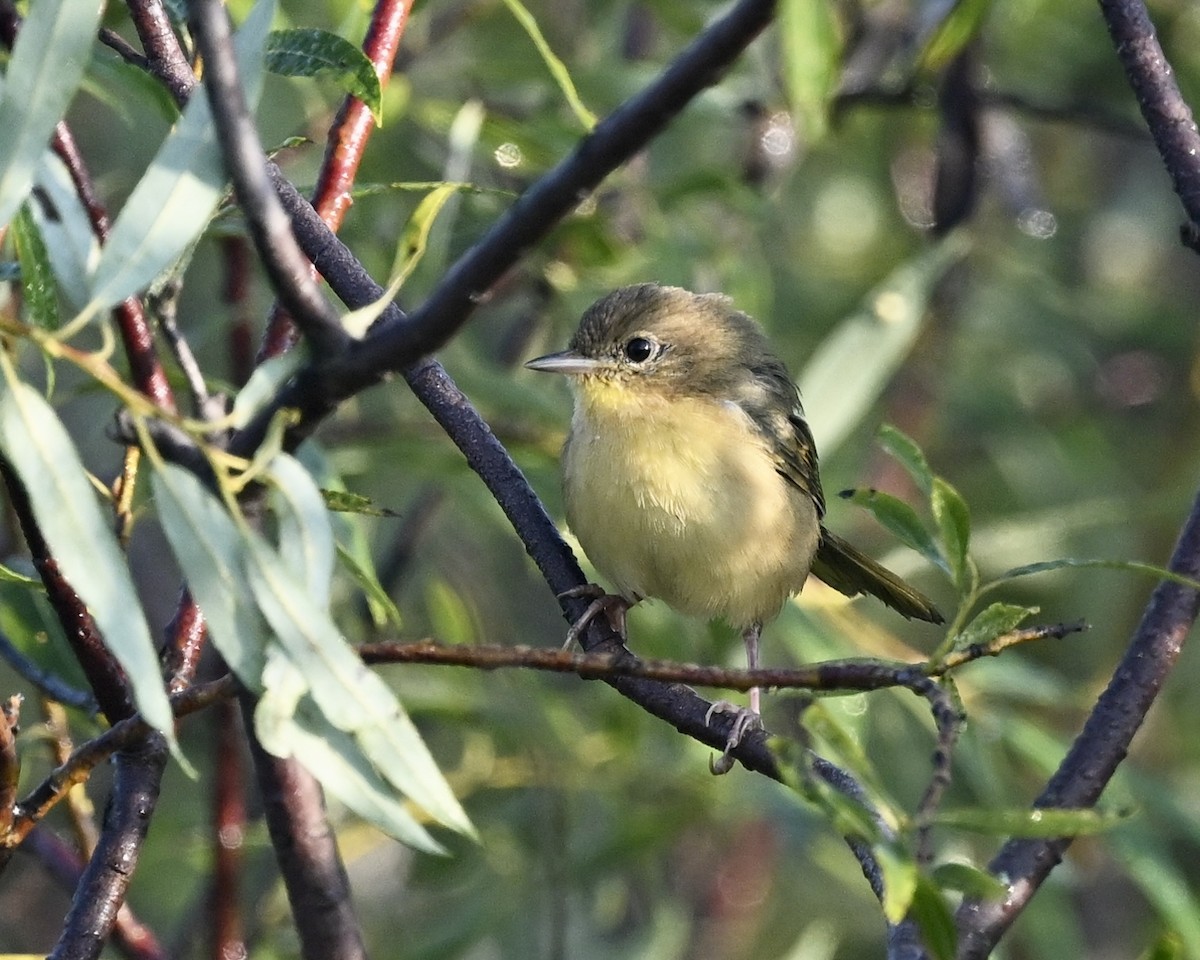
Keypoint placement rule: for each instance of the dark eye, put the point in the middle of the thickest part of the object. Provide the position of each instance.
(639, 349)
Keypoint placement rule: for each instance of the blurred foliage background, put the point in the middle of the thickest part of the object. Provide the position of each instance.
(1051, 376)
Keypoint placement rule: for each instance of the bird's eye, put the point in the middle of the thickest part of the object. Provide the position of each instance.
(639, 349)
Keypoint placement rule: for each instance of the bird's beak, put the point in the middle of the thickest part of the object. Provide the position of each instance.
(566, 361)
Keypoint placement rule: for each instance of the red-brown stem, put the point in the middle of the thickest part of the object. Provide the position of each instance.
(229, 823)
(344, 150)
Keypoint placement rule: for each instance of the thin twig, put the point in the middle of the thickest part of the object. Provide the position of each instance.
(246, 161)
(166, 59)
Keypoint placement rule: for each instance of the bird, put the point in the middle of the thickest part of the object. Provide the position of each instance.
(690, 473)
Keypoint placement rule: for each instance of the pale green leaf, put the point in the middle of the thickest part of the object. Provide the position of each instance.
(288, 724)
(343, 501)
(557, 68)
(266, 381)
(951, 35)
(208, 546)
(47, 63)
(899, 872)
(970, 880)
(852, 366)
(319, 53)
(1130, 566)
(1032, 822)
(931, 913)
(901, 520)
(904, 450)
(954, 526)
(305, 534)
(66, 228)
(997, 619)
(381, 606)
(812, 48)
(81, 539)
(352, 698)
(172, 203)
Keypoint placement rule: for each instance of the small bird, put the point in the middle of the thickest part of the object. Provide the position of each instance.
(690, 474)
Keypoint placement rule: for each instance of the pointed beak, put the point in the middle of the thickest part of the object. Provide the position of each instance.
(566, 361)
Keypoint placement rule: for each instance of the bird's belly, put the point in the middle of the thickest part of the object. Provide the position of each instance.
(686, 506)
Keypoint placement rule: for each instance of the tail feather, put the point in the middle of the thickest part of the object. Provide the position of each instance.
(850, 571)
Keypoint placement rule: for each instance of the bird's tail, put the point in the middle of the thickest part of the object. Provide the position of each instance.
(850, 571)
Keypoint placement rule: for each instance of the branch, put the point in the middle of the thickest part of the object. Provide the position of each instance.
(246, 160)
(1099, 748)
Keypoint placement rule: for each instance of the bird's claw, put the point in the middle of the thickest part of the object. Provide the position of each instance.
(613, 606)
(745, 722)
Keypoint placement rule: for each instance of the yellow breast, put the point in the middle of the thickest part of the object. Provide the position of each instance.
(677, 498)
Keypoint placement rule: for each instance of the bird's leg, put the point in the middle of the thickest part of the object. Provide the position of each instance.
(612, 605)
(745, 721)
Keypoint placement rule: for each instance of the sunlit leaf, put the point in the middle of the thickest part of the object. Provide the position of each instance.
(305, 534)
(319, 53)
(82, 542)
(812, 50)
(266, 381)
(850, 369)
(66, 229)
(899, 872)
(343, 501)
(950, 37)
(172, 203)
(969, 880)
(954, 525)
(47, 63)
(557, 68)
(38, 287)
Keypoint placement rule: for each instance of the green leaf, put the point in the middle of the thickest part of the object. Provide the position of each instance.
(969, 880)
(1150, 859)
(9, 575)
(264, 383)
(343, 501)
(557, 68)
(381, 606)
(351, 697)
(305, 535)
(854, 363)
(47, 63)
(950, 37)
(208, 545)
(901, 520)
(997, 619)
(37, 276)
(65, 228)
(81, 540)
(173, 202)
(1131, 566)
(319, 53)
(129, 91)
(1032, 822)
(812, 50)
(1167, 946)
(899, 872)
(933, 917)
(904, 450)
(288, 724)
(954, 525)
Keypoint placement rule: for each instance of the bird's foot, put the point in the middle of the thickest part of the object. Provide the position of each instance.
(612, 605)
(745, 721)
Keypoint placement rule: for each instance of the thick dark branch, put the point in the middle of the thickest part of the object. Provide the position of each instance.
(247, 164)
(165, 57)
(1166, 112)
(1100, 746)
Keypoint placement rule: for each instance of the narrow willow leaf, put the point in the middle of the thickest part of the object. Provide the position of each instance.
(408, 254)
(37, 275)
(380, 605)
(931, 913)
(343, 501)
(854, 363)
(1036, 822)
(288, 724)
(901, 520)
(173, 202)
(812, 50)
(81, 539)
(49, 57)
(319, 53)
(1131, 566)
(267, 379)
(557, 68)
(988, 624)
(969, 880)
(899, 872)
(305, 534)
(66, 229)
(904, 450)
(350, 696)
(954, 525)
(950, 37)
(9, 575)
(208, 545)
